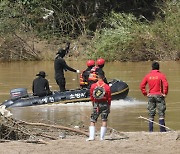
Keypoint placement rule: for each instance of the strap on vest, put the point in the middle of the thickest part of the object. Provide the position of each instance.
(100, 85)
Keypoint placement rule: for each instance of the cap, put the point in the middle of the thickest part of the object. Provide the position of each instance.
(41, 73)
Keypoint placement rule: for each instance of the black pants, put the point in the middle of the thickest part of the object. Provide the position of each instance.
(44, 93)
(61, 83)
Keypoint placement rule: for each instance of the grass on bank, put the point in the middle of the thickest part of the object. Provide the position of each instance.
(125, 38)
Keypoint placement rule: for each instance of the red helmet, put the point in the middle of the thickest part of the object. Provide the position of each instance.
(100, 61)
(90, 63)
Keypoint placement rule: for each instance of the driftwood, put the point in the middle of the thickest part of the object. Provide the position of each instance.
(55, 126)
(2, 141)
(141, 117)
(12, 129)
(47, 136)
(178, 137)
(15, 126)
(35, 141)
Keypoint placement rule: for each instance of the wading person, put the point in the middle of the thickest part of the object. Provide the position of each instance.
(60, 66)
(40, 85)
(84, 77)
(100, 95)
(158, 89)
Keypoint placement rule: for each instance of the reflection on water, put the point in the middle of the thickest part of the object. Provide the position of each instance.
(75, 113)
(124, 113)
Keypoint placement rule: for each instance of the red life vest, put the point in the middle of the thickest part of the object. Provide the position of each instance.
(93, 74)
(81, 80)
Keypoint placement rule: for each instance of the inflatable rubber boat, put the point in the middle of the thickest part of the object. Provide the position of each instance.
(20, 97)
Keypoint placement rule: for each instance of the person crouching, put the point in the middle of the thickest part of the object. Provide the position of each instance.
(40, 85)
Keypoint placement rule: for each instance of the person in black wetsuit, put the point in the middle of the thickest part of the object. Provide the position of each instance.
(40, 85)
(60, 66)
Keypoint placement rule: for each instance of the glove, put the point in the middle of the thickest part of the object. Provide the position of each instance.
(78, 71)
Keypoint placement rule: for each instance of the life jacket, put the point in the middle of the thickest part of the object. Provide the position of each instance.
(99, 91)
(81, 80)
(93, 74)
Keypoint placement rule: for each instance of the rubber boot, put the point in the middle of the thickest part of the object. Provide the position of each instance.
(151, 125)
(162, 122)
(103, 132)
(91, 133)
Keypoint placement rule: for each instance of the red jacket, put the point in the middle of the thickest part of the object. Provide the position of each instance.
(157, 83)
(107, 96)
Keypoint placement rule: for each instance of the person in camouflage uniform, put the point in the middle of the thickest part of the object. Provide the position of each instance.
(158, 89)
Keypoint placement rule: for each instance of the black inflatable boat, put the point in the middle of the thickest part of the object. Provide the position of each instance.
(20, 97)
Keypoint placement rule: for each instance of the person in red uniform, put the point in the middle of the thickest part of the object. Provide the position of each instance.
(84, 82)
(101, 101)
(158, 89)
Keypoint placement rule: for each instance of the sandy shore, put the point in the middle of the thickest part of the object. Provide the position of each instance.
(136, 143)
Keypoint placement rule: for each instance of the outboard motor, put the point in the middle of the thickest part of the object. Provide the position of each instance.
(18, 93)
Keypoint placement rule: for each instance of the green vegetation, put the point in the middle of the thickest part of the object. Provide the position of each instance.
(128, 39)
(118, 31)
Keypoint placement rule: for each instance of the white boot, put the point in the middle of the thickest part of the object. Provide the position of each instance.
(103, 132)
(91, 133)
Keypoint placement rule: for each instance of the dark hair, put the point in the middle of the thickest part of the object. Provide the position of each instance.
(61, 52)
(155, 66)
(100, 74)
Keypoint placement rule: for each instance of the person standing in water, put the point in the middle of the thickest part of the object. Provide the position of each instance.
(158, 89)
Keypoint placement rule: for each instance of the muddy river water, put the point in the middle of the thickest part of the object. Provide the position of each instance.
(124, 113)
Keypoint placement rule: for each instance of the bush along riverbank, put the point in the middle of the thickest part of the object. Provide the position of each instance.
(118, 37)
(128, 39)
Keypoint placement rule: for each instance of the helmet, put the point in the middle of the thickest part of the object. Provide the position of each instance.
(100, 61)
(90, 63)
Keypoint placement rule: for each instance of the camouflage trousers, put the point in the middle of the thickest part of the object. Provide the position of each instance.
(156, 102)
(100, 108)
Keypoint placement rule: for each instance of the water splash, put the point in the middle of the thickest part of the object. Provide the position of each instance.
(128, 101)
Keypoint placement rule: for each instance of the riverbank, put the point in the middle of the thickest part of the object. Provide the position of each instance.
(137, 143)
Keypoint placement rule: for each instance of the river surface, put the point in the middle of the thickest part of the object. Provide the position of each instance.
(124, 113)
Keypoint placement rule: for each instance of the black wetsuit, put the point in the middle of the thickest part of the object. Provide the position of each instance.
(40, 87)
(59, 67)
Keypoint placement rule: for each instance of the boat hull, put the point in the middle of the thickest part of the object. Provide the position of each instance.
(119, 90)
